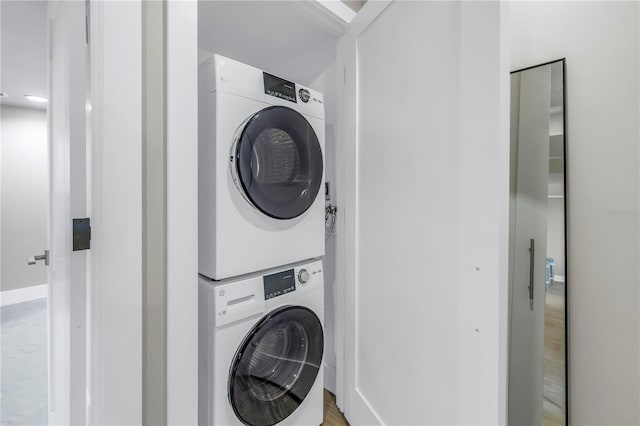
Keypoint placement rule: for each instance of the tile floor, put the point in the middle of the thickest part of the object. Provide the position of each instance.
(23, 368)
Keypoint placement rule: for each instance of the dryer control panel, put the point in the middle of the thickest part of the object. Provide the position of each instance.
(279, 87)
(218, 74)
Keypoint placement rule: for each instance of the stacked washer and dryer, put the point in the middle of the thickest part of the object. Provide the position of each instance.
(261, 234)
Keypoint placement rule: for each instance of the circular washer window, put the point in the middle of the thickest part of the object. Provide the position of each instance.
(279, 162)
(275, 366)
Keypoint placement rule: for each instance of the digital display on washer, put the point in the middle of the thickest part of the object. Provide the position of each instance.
(278, 284)
(279, 87)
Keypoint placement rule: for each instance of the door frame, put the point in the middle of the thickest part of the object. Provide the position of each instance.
(181, 72)
(347, 226)
(68, 198)
(114, 134)
(94, 147)
(116, 372)
(98, 360)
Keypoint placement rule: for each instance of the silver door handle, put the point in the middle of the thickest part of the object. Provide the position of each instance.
(532, 258)
(34, 259)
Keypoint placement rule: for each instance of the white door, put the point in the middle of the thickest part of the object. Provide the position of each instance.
(422, 195)
(67, 200)
(530, 111)
(389, 373)
(95, 169)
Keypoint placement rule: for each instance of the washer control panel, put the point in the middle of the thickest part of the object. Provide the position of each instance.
(296, 279)
(278, 284)
(303, 276)
(306, 274)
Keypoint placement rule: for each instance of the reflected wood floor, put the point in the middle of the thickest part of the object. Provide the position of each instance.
(553, 404)
(332, 415)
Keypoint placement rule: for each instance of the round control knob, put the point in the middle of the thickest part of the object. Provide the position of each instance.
(303, 276)
(305, 95)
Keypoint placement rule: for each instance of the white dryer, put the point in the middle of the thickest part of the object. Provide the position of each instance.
(261, 346)
(261, 170)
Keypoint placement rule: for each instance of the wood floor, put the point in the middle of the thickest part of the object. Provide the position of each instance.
(332, 415)
(553, 403)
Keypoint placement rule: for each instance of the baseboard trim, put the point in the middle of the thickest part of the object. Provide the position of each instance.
(19, 295)
(330, 377)
(558, 278)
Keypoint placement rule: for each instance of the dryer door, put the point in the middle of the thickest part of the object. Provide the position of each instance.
(275, 366)
(279, 162)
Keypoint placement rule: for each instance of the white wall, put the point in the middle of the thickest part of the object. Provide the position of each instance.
(115, 315)
(67, 271)
(154, 219)
(25, 195)
(326, 83)
(600, 41)
(181, 49)
(555, 234)
(484, 213)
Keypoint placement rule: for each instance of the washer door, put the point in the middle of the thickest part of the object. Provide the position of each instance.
(279, 162)
(275, 366)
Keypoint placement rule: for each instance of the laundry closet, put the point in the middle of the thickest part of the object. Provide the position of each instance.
(267, 123)
(412, 139)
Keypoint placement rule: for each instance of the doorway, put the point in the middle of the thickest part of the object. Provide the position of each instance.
(25, 198)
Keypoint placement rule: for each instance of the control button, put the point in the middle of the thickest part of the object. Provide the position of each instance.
(303, 276)
(304, 95)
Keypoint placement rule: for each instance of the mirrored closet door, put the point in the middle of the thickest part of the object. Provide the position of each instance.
(537, 251)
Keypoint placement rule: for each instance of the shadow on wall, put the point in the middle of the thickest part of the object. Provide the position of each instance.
(329, 262)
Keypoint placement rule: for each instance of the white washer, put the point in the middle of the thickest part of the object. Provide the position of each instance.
(260, 169)
(261, 347)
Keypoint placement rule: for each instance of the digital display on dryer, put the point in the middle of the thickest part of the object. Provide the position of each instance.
(278, 284)
(279, 87)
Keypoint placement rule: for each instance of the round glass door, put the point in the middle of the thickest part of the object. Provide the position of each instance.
(275, 366)
(279, 162)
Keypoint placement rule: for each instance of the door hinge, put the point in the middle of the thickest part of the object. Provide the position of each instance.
(81, 234)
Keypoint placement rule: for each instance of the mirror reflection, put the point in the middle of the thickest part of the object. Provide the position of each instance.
(537, 252)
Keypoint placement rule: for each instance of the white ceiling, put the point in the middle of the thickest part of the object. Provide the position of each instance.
(355, 5)
(23, 54)
(295, 40)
